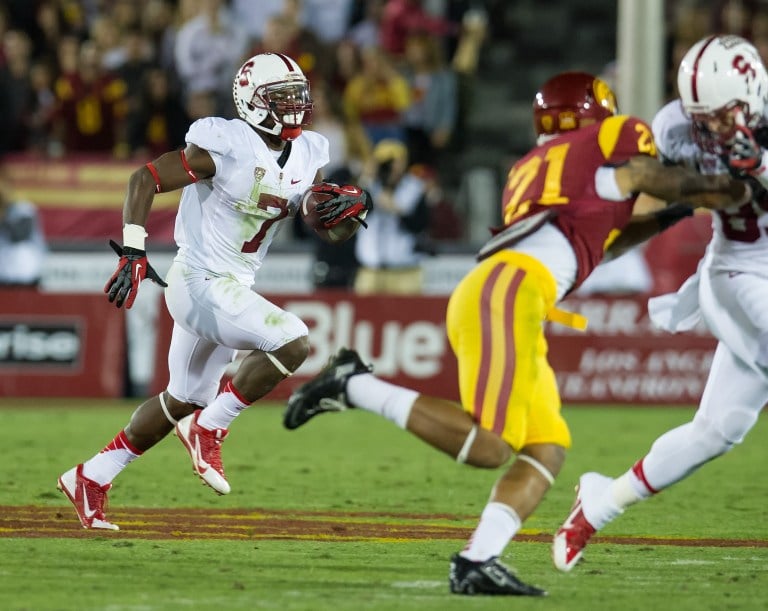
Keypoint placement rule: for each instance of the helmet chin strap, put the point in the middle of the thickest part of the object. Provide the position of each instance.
(278, 129)
(274, 130)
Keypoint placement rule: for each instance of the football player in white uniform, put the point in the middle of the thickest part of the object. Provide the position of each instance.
(241, 180)
(717, 126)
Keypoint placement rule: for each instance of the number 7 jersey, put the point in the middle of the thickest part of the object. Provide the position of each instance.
(226, 223)
(560, 176)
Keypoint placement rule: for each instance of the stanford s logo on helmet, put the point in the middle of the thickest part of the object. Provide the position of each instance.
(569, 98)
(722, 83)
(271, 94)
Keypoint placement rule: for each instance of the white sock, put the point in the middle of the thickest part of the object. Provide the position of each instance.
(625, 492)
(107, 464)
(368, 392)
(224, 409)
(498, 524)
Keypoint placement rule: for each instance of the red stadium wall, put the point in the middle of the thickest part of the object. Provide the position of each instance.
(60, 345)
(81, 198)
(620, 359)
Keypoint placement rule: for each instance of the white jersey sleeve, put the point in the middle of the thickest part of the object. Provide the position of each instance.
(210, 134)
(673, 136)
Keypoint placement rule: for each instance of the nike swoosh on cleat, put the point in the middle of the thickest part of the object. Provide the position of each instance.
(202, 466)
(87, 511)
(138, 271)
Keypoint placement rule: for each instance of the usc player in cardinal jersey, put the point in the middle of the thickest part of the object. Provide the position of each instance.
(565, 203)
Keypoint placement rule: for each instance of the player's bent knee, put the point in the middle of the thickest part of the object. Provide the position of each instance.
(710, 440)
(289, 357)
(727, 429)
(483, 449)
(176, 409)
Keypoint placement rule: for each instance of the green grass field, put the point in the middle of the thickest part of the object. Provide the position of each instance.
(362, 469)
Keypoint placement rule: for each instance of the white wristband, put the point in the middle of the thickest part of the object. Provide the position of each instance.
(133, 236)
(606, 185)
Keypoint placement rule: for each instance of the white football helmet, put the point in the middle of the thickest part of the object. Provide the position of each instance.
(723, 84)
(272, 86)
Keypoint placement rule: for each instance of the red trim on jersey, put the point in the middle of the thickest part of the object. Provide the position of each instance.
(694, 83)
(153, 170)
(190, 172)
(637, 469)
(120, 442)
(231, 388)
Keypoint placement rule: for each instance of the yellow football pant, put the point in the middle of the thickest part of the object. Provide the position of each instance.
(495, 323)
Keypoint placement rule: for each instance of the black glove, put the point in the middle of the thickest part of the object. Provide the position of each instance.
(348, 201)
(666, 217)
(745, 154)
(132, 268)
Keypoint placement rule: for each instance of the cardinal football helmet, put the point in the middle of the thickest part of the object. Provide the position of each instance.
(272, 86)
(723, 84)
(569, 98)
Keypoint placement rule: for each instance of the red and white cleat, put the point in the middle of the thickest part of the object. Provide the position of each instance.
(574, 534)
(88, 498)
(204, 447)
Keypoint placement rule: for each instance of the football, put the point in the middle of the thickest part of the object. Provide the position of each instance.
(307, 209)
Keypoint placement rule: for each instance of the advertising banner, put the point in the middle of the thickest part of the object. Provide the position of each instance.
(623, 358)
(60, 346)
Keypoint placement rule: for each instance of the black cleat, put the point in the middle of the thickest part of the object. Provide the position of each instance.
(487, 577)
(326, 392)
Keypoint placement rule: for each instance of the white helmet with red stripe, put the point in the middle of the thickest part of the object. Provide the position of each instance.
(271, 94)
(722, 81)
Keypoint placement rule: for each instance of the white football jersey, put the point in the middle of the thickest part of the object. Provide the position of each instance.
(225, 224)
(740, 234)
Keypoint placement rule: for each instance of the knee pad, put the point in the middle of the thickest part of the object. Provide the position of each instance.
(709, 438)
(734, 423)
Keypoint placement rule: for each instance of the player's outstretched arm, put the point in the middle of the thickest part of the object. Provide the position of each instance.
(168, 172)
(678, 184)
(645, 226)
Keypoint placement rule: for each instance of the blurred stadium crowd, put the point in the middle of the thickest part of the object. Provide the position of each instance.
(127, 77)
